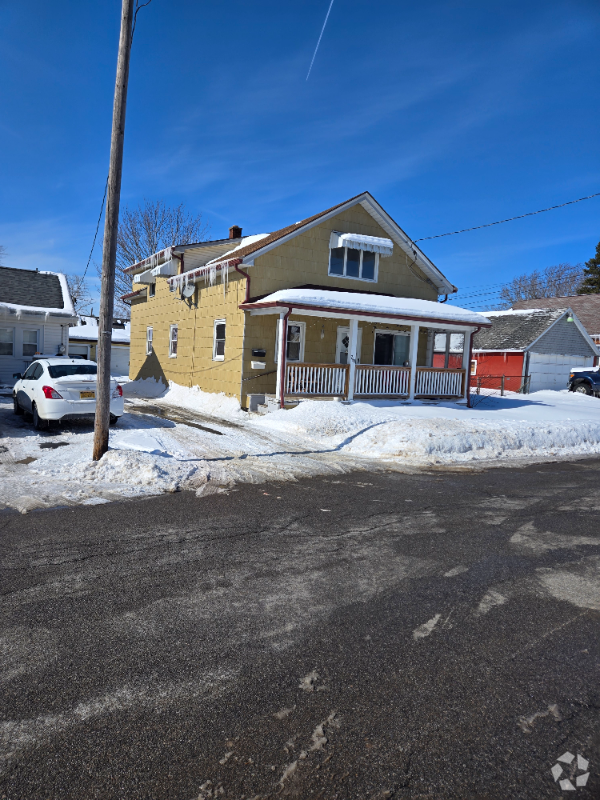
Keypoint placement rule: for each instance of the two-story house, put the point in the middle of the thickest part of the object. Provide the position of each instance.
(342, 304)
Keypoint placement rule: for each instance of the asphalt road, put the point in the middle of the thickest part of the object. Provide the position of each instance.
(426, 635)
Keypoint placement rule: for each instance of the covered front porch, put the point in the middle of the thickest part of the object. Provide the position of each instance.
(417, 349)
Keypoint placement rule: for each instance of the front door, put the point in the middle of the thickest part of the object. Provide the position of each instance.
(341, 348)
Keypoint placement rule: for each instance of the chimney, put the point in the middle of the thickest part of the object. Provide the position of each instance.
(235, 232)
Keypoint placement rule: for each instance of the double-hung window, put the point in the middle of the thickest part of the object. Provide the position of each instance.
(149, 333)
(151, 289)
(347, 262)
(219, 340)
(7, 341)
(30, 343)
(173, 341)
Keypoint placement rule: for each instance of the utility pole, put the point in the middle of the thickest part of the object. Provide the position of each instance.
(111, 224)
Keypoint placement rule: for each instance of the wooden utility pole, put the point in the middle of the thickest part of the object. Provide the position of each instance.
(111, 224)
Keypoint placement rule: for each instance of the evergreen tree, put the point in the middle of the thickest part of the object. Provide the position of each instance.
(591, 283)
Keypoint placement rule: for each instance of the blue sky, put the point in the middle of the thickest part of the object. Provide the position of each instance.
(451, 114)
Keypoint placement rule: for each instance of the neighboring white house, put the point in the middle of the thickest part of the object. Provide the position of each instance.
(36, 311)
(83, 341)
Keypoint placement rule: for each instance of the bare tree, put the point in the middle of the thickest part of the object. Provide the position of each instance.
(151, 227)
(80, 293)
(556, 281)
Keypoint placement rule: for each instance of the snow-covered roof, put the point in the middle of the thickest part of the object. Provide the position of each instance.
(87, 329)
(367, 305)
(35, 293)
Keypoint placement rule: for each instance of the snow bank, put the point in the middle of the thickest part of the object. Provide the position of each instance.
(144, 388)
(194, 399)
(542, 424)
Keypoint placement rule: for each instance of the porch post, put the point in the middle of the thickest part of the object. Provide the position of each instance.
(466, 362)
(352, 354)
(281, 356)
(414, 349)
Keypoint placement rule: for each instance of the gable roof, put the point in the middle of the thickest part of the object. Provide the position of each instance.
(586, 306)
(253, 250)
(516, 330)
(26, 287)
(246, 249)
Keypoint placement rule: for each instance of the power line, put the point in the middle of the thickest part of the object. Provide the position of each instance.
(97, 227)
(510, 219)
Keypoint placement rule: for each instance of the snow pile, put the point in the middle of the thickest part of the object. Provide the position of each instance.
(194, 399)
(144, 387)
(540, 425)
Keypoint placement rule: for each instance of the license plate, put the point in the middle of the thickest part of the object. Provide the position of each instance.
(87, 395)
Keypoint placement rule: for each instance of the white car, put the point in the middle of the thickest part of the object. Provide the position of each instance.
(62, 388)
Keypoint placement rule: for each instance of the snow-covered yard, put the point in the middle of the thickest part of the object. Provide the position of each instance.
(186, 439)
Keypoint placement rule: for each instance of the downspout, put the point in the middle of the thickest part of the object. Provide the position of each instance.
(445, 299)
(282, 366)
(468, 375)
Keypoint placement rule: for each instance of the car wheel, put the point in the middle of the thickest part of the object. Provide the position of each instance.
(583, 388)
(16, 407)
(113, 419)
(38, 423)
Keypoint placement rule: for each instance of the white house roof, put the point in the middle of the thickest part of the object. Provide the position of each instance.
(366, 305)
(87, 330)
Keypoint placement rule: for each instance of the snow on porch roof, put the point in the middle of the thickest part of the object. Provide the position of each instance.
(368, 305)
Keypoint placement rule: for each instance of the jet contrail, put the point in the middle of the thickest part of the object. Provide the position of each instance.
(320, 37)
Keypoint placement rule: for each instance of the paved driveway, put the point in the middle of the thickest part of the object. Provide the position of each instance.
(433, 635)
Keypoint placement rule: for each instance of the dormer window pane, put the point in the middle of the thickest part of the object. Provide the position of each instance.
(353, 263)
(336, 266)
(368, 266)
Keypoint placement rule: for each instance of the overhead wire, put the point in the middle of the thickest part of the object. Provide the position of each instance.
(510, 219)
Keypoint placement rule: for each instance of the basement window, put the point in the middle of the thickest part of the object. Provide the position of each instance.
(219, 340)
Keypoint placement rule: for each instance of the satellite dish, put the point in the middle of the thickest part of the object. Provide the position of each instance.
(188, 290)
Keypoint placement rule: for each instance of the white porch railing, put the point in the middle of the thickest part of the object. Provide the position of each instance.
(331, 380)
(317, 380)
(432, 382)
(371, 381)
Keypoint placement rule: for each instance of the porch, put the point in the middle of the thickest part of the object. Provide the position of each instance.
(420, 349)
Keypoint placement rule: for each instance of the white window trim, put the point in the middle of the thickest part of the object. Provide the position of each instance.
(350, 277)
(171, 328)
(302, 341)
(149, 340)
(218, 322)
(11, 355)
(473, 366)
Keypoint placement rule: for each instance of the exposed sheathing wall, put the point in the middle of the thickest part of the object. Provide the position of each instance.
(305, 260)
(194, 365)
(261, 334)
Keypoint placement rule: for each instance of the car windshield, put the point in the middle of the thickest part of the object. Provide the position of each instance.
(68, 370)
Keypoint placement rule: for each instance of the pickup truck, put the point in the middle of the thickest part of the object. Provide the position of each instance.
(585, 381)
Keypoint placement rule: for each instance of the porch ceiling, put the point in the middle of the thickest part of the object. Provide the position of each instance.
(368, 308)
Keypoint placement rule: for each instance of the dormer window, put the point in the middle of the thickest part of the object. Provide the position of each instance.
(354, 255)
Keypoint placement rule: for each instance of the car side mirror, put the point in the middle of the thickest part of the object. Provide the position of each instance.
(17, 375)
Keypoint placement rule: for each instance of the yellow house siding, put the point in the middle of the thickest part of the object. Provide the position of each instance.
(194, 365)
(305, 260)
